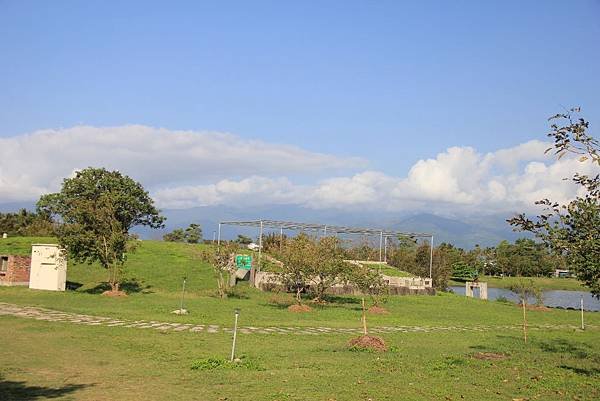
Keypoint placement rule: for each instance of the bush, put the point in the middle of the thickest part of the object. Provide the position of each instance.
(215, 363)
(503, 300)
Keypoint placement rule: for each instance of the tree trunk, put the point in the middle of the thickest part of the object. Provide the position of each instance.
(221, 285)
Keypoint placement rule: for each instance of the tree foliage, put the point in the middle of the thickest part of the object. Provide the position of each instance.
(571, 229)
(192, 234)
(297, 257)
(97, 208)
(27, 224)
(463, 271)
(243, 239)
(414, 258)
(524, 258)
(525, 289)
(273, 242)
(369, 281)
(312, 265)
(328, 267)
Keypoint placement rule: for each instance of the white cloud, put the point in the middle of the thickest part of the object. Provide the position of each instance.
(36, 163)
(249, 191)
(184, 169)
(460, 179)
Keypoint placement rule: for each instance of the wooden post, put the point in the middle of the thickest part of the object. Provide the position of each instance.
(364, 317)
(582, 325)
(253, 273)
(524, 322)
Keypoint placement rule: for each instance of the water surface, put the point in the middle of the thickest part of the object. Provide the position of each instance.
(551, 298)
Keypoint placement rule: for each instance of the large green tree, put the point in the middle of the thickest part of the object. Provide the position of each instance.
(97, 208)
(572, 229)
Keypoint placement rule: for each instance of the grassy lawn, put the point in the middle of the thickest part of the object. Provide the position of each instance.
(388, 270)
(22, 245)
(545, 283)
(100, 363)
(67, 361)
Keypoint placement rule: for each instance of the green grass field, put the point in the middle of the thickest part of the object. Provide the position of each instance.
(66, 361)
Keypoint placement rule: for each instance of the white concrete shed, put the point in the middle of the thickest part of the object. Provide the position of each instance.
(48, 268)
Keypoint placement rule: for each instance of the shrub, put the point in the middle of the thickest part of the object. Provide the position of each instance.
(215, 363)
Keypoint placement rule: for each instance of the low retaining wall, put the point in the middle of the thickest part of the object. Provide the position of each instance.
(266, 281)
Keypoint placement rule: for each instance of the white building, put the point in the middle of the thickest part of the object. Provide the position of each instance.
(48, 268)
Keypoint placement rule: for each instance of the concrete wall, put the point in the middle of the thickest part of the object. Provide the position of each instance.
(17, 272)
(266, 281)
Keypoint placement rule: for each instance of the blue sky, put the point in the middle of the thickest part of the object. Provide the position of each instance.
(390, 82)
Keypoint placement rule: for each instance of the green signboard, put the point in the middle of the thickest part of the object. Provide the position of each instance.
(243, 262)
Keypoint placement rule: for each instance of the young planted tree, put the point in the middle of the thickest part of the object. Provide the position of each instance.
(328, 267)
(369, 282)
(571, 229)
(97, 209)
(297, 257)
(526, 288)
(222, 260)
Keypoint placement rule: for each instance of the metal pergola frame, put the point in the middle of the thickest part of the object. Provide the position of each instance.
(331, 229)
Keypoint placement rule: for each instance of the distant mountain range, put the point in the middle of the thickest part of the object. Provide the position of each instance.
(464, 232)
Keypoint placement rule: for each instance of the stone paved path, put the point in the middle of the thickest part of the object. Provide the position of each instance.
(58, 316)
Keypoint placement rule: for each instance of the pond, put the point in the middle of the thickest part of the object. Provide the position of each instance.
(552, 298)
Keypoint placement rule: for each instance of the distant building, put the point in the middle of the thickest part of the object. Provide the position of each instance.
(252, 246)
(562, 273)
(14, 270)
(45, 269)
(48, 268)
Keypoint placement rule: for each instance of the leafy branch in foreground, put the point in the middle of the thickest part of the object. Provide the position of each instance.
(572, 229)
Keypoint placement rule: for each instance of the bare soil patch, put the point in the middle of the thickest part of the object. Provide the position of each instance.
(111, 293)
(299, 308)
(367, 342)
(378, 310)
(490, 356)
(535, 307)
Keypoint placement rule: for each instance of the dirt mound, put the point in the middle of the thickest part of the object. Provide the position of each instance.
(368, 343)
(535, 307)
(111, 293)
(378, 310)
(490, 356)
(299, 308)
